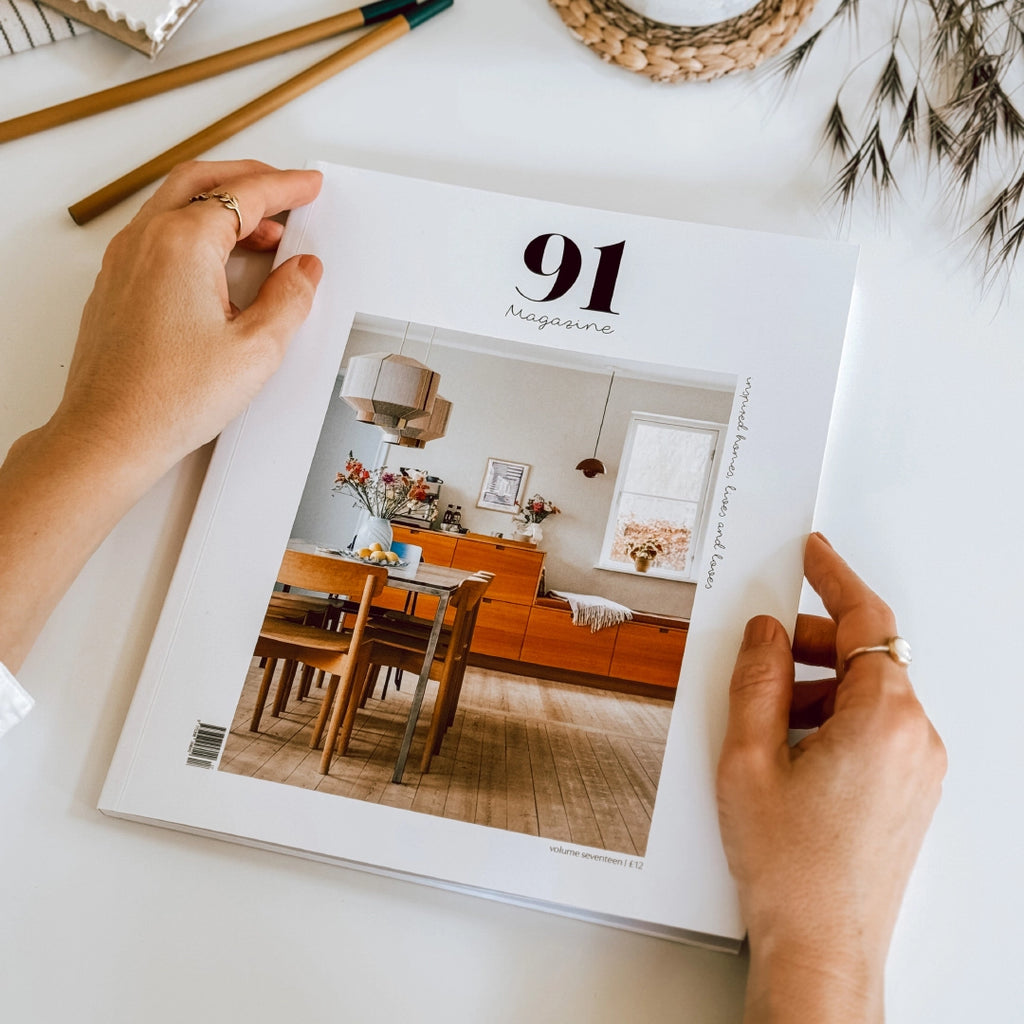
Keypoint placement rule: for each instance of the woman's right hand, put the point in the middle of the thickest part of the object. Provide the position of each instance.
(821, 837)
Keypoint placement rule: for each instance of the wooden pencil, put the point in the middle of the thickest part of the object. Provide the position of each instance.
(197, 70)
(110, 195)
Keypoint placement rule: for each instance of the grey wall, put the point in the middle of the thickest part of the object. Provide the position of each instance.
(504, 408)
(323, 517)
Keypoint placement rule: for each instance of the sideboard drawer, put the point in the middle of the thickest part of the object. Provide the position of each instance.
(516, 569)
(438, 548)
(648, 654)
(552, 639)
(500, 628)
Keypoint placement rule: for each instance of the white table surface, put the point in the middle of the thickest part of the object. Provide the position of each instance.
(108, 921)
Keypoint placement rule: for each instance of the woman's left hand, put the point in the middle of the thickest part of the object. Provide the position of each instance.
(163, 360)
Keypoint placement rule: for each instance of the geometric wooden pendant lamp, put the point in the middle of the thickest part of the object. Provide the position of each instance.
(429, 427)
(389, 390)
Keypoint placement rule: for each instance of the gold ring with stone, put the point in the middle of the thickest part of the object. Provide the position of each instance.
(896, 647)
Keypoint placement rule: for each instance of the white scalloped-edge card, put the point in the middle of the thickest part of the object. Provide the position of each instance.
(156, 18)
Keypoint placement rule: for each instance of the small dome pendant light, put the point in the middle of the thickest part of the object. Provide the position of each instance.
(594, 466)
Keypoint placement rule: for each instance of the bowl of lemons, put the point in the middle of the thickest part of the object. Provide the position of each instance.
(376, 555)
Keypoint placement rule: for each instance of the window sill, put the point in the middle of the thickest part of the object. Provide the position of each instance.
(659, 574)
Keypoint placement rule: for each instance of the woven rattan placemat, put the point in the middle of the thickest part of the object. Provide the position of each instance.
(678, 53)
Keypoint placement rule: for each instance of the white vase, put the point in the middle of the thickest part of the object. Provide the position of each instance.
(374, 531)
(534, 532)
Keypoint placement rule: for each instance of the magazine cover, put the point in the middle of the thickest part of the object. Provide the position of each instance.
(464, 586)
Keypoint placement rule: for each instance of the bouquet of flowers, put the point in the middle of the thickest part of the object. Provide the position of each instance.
(535, 509)
(382, 492)
(531, 513)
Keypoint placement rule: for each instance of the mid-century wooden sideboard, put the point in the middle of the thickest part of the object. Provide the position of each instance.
(519, 630)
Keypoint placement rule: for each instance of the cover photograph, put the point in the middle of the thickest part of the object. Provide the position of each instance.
(463, 587)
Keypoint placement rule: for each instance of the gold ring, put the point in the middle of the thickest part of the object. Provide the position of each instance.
(228, 200)
(896, 647)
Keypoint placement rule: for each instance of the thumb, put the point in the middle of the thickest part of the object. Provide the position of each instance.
(283, 302)
(761, 689)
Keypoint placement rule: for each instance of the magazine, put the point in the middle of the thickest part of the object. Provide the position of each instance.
(598, 439)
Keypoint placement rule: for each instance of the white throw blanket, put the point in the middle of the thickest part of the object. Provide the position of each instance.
(593, 611)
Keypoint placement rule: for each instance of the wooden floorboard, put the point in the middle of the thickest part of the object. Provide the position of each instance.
(635, 817)
(520, 800)
(579, 811)
(464, 787)
(614, 833)
(492, 799)
(552, 822)
(643, 785)
(527, 755)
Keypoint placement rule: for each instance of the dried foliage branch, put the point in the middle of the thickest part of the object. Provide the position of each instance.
(939, 88)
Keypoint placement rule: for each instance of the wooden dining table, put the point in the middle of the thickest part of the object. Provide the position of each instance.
(440, 581)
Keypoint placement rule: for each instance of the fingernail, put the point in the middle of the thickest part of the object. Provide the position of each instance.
(311, 267)
(823, 539)
(760, 630)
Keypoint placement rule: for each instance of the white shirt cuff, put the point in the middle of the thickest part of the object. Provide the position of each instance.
(15, 703)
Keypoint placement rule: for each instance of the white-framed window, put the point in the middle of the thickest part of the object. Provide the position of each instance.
(662, 493)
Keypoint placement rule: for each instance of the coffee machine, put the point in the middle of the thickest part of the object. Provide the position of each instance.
(422, 514)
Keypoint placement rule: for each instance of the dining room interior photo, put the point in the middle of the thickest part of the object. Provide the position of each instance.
(483, 609)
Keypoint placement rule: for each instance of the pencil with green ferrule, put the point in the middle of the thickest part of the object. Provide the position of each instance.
(86, 209)
(197, 70)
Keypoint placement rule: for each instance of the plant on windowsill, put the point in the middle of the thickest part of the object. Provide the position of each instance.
(644, 552)
(672, 536)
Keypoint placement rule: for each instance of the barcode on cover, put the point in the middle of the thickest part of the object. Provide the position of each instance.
(207, 743)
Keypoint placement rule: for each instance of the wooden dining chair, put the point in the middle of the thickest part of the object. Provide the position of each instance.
(333, 650)
(465, 604)
(401, 642)
(311, 610)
